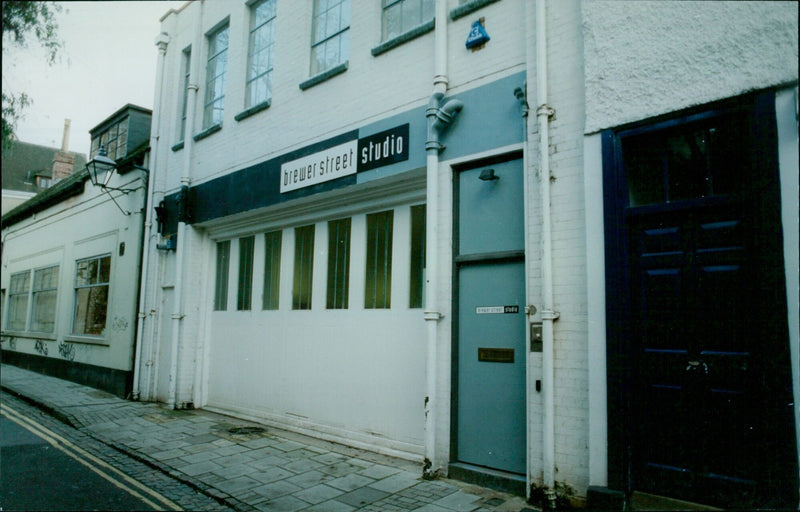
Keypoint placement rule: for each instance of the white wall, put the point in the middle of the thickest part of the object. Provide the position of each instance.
(649, 58)
(80, 227)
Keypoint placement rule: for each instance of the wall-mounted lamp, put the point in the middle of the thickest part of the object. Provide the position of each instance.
(101, 169)
(488, 175)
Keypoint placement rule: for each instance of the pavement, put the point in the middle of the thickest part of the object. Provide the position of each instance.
(248, 466)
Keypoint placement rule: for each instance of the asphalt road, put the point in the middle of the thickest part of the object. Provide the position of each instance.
(40, 470)
(47, 465)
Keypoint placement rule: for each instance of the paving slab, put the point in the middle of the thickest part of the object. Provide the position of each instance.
(246, 466)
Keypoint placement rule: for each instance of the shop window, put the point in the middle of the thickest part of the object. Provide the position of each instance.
(221, 283)
(331, 35)
(400, 16)
(378, 286)
(303, 267)
(18, 291)
(92, 278)
(338, 263)
(244, 297)
(43, 303)
(417, 271)
(187, 62)
(259, 55)
(215, 77)
(272, 269)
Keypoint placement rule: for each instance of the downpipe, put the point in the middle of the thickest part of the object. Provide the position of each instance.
(548, 314)
(439, 116)
(161, 41)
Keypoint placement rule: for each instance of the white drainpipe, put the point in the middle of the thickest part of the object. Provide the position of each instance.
(439, 116)
(161, 41)
(180, 252)
(549, 315)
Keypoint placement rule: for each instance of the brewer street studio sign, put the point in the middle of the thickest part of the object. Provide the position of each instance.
(336, 162)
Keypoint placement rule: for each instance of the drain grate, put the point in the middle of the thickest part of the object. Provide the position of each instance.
(246, 430)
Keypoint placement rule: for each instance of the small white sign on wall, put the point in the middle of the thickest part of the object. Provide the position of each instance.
(327, 165)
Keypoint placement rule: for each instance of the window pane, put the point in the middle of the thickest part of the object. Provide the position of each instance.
(90, 310)
(338, 263)
(43, 312)
(18, 301)
(215, 77)
(43, 317)
(331, 41)
(417, 271)
(378, 288)
(272, 269)
(303, 267)
(221, 285)
(244, 297)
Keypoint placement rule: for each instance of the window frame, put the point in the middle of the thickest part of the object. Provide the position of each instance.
(252, 76)
(420, 8)
(186, 55)
(342, 33)
(12, 294)
(215, 55)
(91, 286)
(35, 292)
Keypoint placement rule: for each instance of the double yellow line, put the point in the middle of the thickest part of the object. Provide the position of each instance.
(102, 468)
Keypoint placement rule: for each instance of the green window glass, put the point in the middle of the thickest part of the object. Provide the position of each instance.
(338, 263)
(187, 60)
(303, 267)
(221, 284)
(417, 270)
(378, 286)
(272, 269)
(244, 297)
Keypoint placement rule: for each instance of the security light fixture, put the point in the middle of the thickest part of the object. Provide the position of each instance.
(488, 175)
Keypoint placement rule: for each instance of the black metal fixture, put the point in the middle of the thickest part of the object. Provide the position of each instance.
(488, 175)
(101, 169)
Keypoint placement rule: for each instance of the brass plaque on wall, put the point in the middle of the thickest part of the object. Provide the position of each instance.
(496, 355)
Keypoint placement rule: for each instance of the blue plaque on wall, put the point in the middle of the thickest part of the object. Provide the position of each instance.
(477, 35)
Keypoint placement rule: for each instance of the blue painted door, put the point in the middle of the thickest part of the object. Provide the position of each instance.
(490, 283)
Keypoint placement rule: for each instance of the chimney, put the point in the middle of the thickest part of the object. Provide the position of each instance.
(65, 138)
(64, 161)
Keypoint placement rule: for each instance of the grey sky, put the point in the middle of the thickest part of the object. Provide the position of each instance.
(108, 60)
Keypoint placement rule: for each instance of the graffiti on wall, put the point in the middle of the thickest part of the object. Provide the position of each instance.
(67, 351)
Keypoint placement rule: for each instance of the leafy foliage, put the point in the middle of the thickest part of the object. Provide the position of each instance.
(21, 20)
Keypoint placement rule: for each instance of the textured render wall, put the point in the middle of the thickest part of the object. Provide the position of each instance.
(649, 58)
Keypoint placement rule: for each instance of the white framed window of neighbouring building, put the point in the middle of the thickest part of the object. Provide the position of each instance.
(18, 298)
(43, 299)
